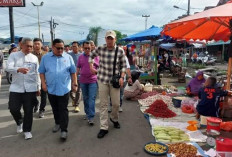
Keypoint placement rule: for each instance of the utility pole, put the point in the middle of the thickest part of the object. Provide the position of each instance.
(40, 5)
(52, 29)
(146, 17)
(188, 11)
(12, 36)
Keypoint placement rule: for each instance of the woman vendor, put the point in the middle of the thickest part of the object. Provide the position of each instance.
(195, 84)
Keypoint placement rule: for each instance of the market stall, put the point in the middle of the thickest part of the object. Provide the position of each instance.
(152, 35)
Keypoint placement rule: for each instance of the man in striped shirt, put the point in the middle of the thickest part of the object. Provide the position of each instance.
(105, 73)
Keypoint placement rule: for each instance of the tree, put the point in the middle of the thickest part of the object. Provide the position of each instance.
(119, 37)
(93, 34)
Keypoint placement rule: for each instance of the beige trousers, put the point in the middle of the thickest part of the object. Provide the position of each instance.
(106, 91)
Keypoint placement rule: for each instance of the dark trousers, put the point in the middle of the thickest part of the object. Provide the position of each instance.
(16, 101)
(43, 103)
(60, 110)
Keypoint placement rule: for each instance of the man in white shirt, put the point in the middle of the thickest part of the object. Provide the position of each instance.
(25, 85)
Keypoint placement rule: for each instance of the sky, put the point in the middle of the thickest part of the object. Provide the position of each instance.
(75, 17)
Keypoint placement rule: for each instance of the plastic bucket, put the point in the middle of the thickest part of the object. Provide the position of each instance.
(176, 102)
(224, 144)
(213, 123)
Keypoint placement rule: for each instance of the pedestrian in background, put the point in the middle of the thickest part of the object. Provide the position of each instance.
(75, 96)
(37, 46)
(58, 76)
(88, 82)
(25, 84)
(105, 74)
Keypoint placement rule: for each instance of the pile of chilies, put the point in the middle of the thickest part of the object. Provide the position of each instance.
(160, 109)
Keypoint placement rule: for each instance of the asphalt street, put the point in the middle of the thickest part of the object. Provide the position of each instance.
(82, 139)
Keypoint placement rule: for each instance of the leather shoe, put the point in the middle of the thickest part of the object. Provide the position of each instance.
(116, 124)
(102, 133)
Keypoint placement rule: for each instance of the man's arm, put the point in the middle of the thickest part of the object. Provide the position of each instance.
(43, 82)
(93, 54)
(74, 82)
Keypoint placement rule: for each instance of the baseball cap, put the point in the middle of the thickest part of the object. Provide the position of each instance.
(13, 45)
(110, 33)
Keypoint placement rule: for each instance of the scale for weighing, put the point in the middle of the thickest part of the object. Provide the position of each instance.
(211, 139)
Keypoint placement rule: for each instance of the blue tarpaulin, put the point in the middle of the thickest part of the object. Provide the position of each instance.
(147, 34)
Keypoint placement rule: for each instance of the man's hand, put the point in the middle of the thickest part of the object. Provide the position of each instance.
(121, 81)
(129, 80)
(38, 93)
(44, 87)
(74, 87)
(23, 70)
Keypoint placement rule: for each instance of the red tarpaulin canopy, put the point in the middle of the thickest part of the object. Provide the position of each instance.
(207, 25)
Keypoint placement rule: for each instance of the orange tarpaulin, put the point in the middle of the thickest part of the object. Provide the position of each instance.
(207, 25)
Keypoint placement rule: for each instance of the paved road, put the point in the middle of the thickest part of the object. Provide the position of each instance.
(82, 139)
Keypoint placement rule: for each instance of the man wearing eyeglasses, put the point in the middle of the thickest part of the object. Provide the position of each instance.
(88, 83)
(58, 76)
(25, 85)
(75, 96)
(105, 74)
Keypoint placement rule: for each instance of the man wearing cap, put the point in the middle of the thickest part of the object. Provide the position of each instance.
(105, 73)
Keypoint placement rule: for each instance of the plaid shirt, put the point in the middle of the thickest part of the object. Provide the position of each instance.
(106, 63)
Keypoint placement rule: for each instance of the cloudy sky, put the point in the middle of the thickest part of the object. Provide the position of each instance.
(75, 17)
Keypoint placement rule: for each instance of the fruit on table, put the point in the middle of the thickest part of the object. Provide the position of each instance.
(182, 150)
(155, 148)
(170, 134)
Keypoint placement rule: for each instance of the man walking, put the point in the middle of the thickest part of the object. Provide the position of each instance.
(88, 83)
(105, 73)
(58, 75)
(24, 67)
(75, 96)
(37, 45)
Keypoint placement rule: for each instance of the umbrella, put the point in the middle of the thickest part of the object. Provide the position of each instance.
(210, 24)
(147, 34)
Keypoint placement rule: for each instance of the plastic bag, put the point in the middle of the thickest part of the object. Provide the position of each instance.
(188, 105)
(227, 126)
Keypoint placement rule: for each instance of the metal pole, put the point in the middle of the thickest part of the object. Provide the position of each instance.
(146, 17)
(38, 20)
(188, 11)
(12, 36)
(51, 30)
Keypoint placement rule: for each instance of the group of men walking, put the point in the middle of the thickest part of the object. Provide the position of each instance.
(60, 75)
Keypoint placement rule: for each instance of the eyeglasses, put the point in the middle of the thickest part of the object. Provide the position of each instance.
(29, 46)
(86, 48)
(59, 48)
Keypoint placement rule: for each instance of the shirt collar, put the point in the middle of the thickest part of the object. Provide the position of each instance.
(52, 54)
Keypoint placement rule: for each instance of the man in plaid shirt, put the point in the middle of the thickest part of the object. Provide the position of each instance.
(105, 73)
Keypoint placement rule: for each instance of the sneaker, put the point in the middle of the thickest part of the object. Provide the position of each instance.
(77, 109)
(116, 124)
(120, 109)
(28, 135)
(41, 114)
(102, 133)
(63, 135)
(56, 128)
(109, 108)
(36, 109)
(19, 128)
(85, 117)
(91, 122)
